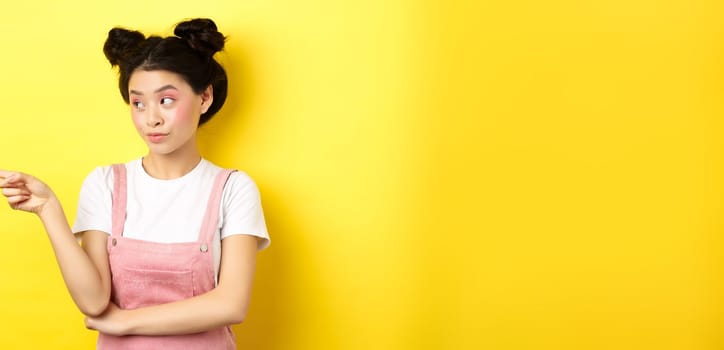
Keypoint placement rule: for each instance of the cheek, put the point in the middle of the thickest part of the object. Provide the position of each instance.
(181, 113)
(137, 119)
(184, 114)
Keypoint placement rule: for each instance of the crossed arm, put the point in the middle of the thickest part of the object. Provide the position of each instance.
(224, 305)
(87, 276)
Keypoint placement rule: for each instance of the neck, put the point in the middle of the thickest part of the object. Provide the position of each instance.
(170, 166)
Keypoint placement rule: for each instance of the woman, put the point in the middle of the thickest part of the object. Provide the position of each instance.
(169, 240)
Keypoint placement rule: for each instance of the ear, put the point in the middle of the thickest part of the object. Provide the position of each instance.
(207, 98)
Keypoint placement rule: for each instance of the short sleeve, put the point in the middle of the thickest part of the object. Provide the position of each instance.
(242, 211)
(94, 202)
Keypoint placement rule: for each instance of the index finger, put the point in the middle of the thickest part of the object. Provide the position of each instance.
(5, 173)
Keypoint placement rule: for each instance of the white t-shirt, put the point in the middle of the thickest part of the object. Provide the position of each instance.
(171, 211)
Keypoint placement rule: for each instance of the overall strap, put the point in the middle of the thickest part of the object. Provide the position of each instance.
(118, 211)
(211, 217)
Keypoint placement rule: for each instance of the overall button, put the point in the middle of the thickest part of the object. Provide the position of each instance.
(113, 242)
(204, 248)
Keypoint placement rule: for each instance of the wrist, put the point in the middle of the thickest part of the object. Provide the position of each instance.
(126, 324)
(50, 209)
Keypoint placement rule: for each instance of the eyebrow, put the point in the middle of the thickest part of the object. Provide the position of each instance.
(163, 88)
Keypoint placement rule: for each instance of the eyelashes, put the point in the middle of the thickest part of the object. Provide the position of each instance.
(165, 101)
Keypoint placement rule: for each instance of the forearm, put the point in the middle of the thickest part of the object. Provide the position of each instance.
(81, 276)
(224, 305)
(198, 314)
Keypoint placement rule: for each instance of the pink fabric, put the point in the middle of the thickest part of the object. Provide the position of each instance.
(148, 273)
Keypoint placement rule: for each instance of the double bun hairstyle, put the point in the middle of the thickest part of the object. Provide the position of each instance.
(189, 53)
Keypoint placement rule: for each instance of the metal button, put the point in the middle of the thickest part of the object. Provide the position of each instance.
(204, 247)
(113, 242)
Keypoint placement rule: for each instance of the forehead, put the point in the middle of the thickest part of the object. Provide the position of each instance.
(149, 81)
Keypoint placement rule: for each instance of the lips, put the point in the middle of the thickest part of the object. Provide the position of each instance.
(156, 137)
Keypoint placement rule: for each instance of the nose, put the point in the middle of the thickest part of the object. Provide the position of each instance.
(154, 118)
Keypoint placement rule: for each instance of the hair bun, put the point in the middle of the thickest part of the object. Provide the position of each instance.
(202, 35)
(120, 43)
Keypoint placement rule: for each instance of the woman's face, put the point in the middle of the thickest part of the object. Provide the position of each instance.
(166, 110)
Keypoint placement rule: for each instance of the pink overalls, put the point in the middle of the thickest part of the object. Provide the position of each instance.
(148, 273)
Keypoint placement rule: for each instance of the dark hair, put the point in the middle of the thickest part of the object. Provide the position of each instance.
(190, 54)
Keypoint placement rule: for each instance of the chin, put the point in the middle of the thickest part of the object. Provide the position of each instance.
(159, 149)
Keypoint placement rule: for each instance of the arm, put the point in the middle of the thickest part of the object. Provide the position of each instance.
(89, 288)
(224, 305)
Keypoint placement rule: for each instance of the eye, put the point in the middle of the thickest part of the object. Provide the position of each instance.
(167, 101)
(138, 104)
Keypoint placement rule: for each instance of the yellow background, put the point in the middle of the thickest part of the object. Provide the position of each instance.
(435, 174)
